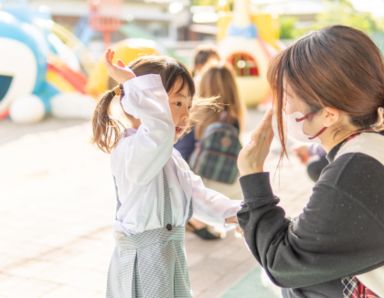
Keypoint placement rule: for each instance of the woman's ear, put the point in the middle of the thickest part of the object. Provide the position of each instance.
(331, 116)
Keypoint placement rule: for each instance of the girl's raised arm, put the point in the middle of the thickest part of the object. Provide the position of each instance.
(146, 152)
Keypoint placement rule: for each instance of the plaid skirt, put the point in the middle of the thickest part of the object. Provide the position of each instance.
(150, 264)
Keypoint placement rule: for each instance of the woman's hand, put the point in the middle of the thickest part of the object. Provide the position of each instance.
(119, 72)
(252, 157)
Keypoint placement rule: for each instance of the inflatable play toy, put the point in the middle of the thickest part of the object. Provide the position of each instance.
(35, 68)
(244, 46)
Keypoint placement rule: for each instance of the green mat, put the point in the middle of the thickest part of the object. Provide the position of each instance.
(250, 286)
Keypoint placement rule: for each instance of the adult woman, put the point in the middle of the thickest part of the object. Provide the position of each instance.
(329, 86)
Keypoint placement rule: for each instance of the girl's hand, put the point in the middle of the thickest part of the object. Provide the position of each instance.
(252, 157)
(302, 153)
(120, 73)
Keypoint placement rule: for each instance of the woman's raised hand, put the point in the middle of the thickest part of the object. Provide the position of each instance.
(252, 157)
(119, 72)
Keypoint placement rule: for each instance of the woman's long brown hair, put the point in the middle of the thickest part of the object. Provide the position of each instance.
(106, 130)
(338, 67)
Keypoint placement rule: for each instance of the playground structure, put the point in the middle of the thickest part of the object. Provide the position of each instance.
(248, 41)
(39, 72)
(45, 69)
(104, 17)
(101, 19)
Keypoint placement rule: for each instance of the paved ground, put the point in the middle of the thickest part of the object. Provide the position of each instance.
(57, 205)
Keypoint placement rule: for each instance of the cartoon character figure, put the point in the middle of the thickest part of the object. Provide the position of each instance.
(32, 79)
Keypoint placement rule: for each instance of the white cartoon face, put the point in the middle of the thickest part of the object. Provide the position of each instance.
(18, 71)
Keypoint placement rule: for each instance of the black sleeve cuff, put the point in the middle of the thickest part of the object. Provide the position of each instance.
(256, 186)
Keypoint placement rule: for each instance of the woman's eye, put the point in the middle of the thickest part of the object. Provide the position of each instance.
(179, 103)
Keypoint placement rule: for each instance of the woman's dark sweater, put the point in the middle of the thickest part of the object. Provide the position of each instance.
(340, 232)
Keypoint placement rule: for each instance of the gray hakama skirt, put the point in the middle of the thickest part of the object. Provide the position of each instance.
(150, 264)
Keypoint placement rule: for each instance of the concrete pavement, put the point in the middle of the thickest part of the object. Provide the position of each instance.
(57, 206)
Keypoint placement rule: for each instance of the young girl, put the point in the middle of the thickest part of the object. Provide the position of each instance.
(156, 190)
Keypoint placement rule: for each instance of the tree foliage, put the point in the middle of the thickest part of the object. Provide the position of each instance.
(336, 12)
(342, 12)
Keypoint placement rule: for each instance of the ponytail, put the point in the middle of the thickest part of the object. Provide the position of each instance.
(106, 131)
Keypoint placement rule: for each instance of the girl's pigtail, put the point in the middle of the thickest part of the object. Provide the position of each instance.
(106, 131)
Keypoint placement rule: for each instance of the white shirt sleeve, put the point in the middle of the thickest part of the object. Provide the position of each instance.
(146, 152)
(209, 205)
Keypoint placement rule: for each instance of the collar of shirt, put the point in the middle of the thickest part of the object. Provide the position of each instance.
(331, 154)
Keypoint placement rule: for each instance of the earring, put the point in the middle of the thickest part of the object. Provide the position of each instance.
(379, 124)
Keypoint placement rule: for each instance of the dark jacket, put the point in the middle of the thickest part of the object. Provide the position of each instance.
(340, 232)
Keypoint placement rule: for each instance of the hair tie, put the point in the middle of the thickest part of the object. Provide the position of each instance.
(379, 124)
(117, 91)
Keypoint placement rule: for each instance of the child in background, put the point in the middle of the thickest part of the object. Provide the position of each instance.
(156, 190)
(216, 81)
(204, 56)
(219, 81)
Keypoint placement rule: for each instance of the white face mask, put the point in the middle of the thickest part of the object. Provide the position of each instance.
(294, 125)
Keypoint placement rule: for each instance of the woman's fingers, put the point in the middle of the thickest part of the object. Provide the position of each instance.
(268, 115)
(252, 157)
(265, 124)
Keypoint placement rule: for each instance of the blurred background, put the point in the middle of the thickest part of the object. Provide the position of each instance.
(56, 192)
(59, 43)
